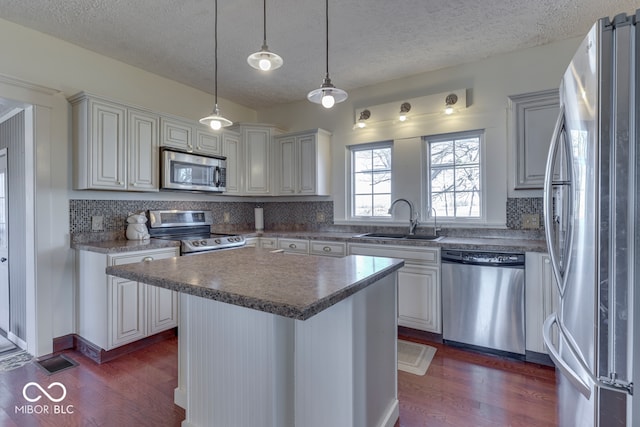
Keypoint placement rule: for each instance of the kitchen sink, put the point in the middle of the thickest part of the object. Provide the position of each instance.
(400, 236)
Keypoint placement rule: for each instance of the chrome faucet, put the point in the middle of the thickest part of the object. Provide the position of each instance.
(413, 216)
(435, 222)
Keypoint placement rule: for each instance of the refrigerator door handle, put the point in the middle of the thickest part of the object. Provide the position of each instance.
(548, 199)
(559, 362)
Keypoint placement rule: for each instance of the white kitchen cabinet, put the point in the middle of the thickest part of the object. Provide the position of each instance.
(303, 163)
(268, 243)
(191, 137)
(419, 288)
(327, 248)
(116, 146)
(232, 150)
(114, 311)
(298, 246)
(541, 296)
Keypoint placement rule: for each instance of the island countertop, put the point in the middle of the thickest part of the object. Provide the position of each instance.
(288, 285)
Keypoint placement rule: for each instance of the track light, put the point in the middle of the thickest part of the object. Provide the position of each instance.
(450, 101)
(404, 109)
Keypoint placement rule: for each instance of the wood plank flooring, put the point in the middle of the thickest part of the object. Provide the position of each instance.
(459, 389)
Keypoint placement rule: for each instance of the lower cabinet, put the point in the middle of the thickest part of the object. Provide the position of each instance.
(114, 311)
(419, 292)
(541, 298)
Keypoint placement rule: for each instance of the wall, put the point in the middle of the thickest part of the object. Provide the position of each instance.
(488, 83)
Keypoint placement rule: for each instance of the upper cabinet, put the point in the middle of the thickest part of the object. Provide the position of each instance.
(249, 160)
(116, 147)
(532, 119)
(190, 137)
(303, 163)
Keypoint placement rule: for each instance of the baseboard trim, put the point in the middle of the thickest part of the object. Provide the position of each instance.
(99, 355)
(415, 333)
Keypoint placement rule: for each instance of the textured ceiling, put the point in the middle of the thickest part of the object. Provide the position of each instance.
(371, 41)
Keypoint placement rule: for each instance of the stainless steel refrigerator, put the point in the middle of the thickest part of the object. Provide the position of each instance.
(592, 222)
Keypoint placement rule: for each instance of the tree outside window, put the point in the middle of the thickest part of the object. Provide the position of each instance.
(454, 165)
(371, 180)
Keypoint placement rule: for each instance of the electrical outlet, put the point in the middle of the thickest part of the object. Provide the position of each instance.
(97, 223)
(226, 217)
(530, 221)
(320, 217)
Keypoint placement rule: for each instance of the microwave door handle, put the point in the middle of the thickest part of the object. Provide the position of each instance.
(217, 176)
(548, 198)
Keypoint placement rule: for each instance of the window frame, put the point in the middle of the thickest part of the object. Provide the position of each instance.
(426, 179)
(351, 149)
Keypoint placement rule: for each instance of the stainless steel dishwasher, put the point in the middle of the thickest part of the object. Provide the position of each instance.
(483, 300)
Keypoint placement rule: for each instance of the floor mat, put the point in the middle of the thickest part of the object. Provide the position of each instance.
(14, 360)
(414, 358)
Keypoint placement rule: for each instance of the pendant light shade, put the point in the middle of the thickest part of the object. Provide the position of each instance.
(264, 60)
(215, 119)
(327, 94)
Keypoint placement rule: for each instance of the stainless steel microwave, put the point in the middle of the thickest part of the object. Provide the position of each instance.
(192, 172)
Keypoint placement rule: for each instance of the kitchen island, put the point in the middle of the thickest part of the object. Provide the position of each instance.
(273, 339)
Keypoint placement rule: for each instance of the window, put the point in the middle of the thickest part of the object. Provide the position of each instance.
(454, 166)
(371, 180)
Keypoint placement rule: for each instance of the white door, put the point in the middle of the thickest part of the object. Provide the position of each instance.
(4, 244)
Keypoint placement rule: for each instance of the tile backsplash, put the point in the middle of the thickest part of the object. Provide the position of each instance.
(519, 206)
(226, 215)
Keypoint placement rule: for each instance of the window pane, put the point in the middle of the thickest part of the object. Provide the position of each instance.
(468, 179)
(362, 183)
(468, 204)
(443, 204)
(382, 158)
(441, 179)
(381, 204)
(467, 151)
(361, 161)
(362, 206)
(381, 182)
(442, 153)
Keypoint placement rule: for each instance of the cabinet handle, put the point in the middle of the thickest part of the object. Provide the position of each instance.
(147, 258)
(120, 183)
(292, 246)
(134, 184)
(326, 249)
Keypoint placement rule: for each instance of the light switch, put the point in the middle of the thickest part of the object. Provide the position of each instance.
(97, 223)
(530, 221)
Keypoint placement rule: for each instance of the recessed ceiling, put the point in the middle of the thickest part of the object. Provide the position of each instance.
(370, 41)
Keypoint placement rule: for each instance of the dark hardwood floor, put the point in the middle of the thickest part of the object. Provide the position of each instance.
(459, 389)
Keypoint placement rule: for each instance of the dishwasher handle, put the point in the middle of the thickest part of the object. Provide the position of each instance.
(483, 258)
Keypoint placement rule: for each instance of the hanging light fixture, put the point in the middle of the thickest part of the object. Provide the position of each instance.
(264, 60)
(404, 109)
(215, 120)
(327, 94)
(450, 102)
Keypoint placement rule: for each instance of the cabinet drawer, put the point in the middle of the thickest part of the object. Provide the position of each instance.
(268, 243)
(133, 257)
(328, 248)
(418, 255)
(294, 245)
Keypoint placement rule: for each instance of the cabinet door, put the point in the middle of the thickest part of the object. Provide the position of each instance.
(143, 151)
(127, 311)
(208, 142)
(550, 296)
(231, 149)
(108, 146)
(177, 134)
(541, 298)
(162, 306)
(419, 298)
(287, 157)
(307, 172)
(257, 150)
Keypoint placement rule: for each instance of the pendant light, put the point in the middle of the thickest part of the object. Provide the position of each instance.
(327, 94)
(264, 60)
(215, 120)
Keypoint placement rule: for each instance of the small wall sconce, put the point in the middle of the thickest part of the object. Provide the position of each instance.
(404, 109)
(364, 116)
(450, 101)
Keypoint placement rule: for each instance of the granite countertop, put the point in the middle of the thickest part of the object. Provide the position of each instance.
(117, 246)
(262, 279)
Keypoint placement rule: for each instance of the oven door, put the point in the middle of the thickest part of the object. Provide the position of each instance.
(192, 172)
